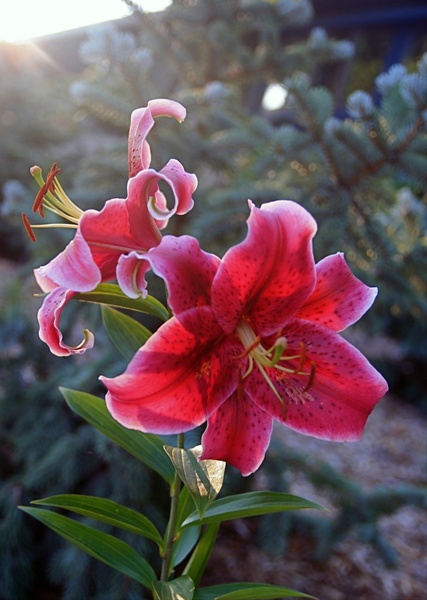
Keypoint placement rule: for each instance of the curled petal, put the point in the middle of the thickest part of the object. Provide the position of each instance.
(238, 432)
(142, 121)
(269, 275)
(335, 403)
(45, 282)
(187, 270)
(339, 298)
(177, 379)
(182, 184)
(131, 270)
(146, 212)
(74, 268)
(49, 316)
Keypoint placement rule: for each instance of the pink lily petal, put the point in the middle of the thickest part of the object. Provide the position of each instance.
(339, 298)
(269, 275)
(45, 283)
(131, 270)
(187, 270)
(142, 121)
(49, 317)
(74, 268)
(341, 396)
(238, 432)
(183, 186)
(178, 378)
(120, 227)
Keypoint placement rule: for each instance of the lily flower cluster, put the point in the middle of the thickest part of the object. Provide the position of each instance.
(254, 336)
(109, 244)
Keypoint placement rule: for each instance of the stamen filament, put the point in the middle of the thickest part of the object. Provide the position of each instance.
(54, 225)
(311, 377)
(52, 196)
(273, 358)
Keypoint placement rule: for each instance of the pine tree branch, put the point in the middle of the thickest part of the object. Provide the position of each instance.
(391, 158)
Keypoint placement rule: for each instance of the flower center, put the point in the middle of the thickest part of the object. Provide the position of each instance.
(52, 197)
(277, 357)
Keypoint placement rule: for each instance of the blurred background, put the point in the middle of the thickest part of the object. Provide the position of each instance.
(320, 101)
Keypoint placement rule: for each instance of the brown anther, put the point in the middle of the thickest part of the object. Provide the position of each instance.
(28, 227)
(48, 186)
(38, 201)
(310, 377)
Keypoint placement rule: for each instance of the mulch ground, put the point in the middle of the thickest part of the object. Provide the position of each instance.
(391, 453)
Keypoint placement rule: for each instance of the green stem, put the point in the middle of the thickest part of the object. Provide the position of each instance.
(171, 528)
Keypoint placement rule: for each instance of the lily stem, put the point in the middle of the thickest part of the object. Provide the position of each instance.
(171, 528)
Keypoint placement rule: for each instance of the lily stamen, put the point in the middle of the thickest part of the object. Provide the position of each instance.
(28, 228)
(51, 195)
(311, 377)
(48, 186)
(273, 358)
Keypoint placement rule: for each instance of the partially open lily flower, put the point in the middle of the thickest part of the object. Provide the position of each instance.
(254, 337)
(111, 243)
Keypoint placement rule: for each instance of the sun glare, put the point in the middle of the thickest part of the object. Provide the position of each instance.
(27, 19)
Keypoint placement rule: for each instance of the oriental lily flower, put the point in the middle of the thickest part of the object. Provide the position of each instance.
(254, 338)
(111, 243)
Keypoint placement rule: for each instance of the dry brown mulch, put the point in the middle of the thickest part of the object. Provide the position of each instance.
(392, 452)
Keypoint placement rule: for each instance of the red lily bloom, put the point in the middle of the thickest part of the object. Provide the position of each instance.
(111, 243)
(253, 338)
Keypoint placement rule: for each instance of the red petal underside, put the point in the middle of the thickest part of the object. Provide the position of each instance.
(49, 316)
(183, 185)
(74, 268)
(339, 298)
(187, 270)
(239, 433)
(343, 393)
(111, 234)
(270, 274)
(178, 378)
(131, 270)
(142, 121)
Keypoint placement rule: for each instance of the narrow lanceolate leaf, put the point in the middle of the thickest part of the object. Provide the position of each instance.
(185, 541)
(203, 478)
(196, 565)
(249, 504)
(246, 591)
(181, 588)
(112, 295)
(100, 545)
(125, 332)
(145, 447)
(105, 511)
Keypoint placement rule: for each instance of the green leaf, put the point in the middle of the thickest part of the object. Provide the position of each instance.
(196, 565)
(100, 545)
(145, 447)
(203, 478)
(246, 591)
(105, 511)
(184, 542)
(177, 589)
(125, 332)
(111, 294)
(249, 504)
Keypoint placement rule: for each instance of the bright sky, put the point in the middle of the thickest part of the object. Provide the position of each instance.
(21, 20)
